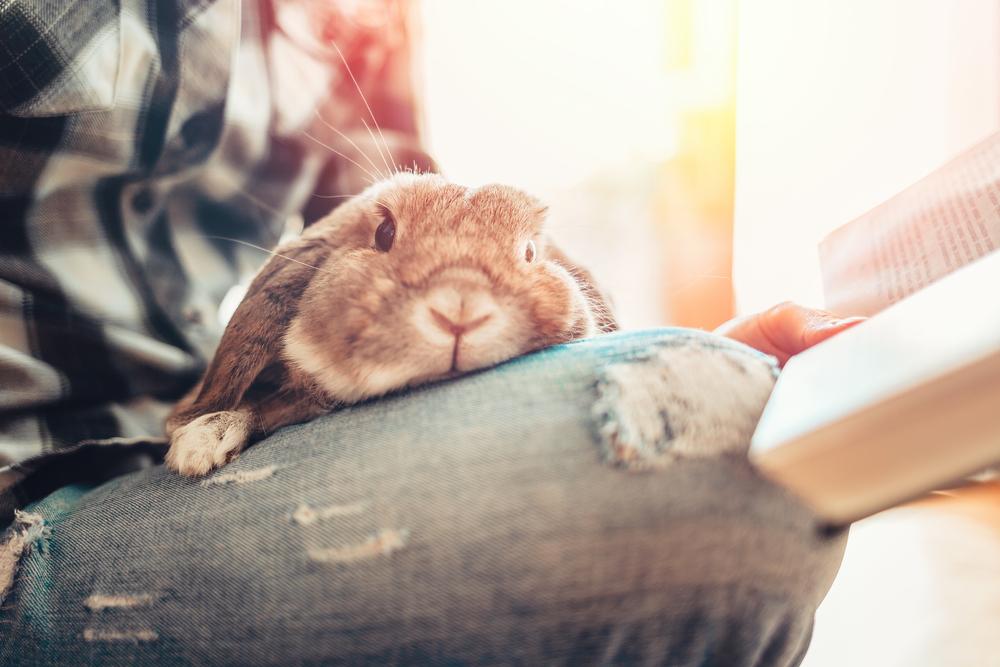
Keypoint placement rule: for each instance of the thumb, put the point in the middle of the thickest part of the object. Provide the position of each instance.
(820, 325)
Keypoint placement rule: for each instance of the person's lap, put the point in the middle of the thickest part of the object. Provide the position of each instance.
(484, 520)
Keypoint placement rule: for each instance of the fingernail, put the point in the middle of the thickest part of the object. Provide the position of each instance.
(837, 323)
(844, 321)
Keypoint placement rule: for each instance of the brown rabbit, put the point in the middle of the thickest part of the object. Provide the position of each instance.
(413, 280)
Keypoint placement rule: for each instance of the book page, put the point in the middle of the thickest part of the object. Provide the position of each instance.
(894, 406)
(935, 226)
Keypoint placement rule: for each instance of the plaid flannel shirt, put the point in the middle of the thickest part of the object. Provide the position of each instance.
(140, 142)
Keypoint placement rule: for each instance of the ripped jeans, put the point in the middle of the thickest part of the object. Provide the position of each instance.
(588, 504)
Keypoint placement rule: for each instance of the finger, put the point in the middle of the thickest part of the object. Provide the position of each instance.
(792, 328)
(786, 329)
(819, 330)
(751, 331)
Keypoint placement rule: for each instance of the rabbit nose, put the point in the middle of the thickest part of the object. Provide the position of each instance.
(458, 328)
(456, 311)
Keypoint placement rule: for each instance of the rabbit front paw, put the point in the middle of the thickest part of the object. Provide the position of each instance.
(208, 442)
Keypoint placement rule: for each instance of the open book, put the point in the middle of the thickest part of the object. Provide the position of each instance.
(909, 400)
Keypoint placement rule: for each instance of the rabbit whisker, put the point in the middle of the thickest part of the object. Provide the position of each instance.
(255, 200)
(367, 106)
(269, 252)
(360, 166)
(351, 142)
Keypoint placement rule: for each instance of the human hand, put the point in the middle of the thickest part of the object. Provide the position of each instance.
(786, 329)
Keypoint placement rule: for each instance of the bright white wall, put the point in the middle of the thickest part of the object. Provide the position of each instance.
(542, 94)
(841, 104)
(568, 100)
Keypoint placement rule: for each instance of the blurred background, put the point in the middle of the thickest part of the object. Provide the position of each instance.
(619, 115)
(682, 143)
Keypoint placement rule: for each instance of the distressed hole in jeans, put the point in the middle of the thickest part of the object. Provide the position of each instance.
(102, 601)
(305, 515)
(115, 635)
(27, 531)
(240, 476)
(689, 400)
(382, 543)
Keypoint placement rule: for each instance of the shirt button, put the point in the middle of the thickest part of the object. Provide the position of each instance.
(142, 200)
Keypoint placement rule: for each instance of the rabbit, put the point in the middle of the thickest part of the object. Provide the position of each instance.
(415, 279)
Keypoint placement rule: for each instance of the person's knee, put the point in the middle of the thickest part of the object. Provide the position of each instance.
(702, 563)
(700, 560)
(742, 575)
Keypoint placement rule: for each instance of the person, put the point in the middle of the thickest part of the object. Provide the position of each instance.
(150, 153)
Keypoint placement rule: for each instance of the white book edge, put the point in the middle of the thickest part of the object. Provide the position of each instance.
(853, 427)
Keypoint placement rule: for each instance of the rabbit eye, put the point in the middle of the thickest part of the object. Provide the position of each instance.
(529, 252)
(385, 234)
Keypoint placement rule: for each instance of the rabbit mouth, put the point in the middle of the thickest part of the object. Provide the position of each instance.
(462, 354)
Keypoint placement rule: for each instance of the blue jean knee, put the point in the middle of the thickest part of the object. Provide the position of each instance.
(588, 504)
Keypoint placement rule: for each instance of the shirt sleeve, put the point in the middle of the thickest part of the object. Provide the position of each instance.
(145, 149)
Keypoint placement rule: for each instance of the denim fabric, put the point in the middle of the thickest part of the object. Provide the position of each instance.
(476, 521)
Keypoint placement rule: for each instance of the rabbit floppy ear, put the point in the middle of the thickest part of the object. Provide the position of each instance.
(600, 302)
(253, 338)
